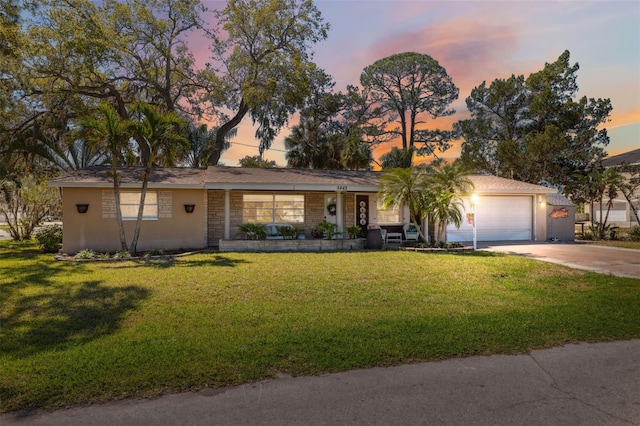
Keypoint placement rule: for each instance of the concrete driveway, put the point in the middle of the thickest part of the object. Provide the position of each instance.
(606, 260)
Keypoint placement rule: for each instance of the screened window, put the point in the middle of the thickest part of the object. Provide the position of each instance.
(130, 201)
(388, 215)
(270, 208)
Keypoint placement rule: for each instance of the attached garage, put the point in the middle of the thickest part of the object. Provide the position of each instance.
(504, 218)
(505, 210)
(498, 218)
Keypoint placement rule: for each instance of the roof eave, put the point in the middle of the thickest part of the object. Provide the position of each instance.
(292, 187)
(124, 185)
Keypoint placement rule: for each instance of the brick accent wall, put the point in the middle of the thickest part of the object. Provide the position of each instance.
(313, 207)
(215, 217)
(349, 207)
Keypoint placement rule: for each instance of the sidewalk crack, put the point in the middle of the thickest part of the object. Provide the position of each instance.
(552, 382)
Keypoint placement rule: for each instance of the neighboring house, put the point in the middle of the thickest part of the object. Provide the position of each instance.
(195, 209)
(621, 213)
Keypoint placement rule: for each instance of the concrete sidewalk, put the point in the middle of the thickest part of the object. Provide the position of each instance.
(583, 384)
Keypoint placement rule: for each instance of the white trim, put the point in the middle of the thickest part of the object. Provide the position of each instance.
(109, 185)
(288, 187)
(339, 212)
(227, 214)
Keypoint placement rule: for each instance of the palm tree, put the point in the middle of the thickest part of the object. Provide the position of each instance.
(112, 133)
(201, 143)
(447, 185)
(406, 187)
(613, 182)
(160, 131)
(303, 145)
(397, 158)
(356, 154)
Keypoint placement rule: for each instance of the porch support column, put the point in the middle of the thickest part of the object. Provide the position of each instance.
(339, 212)
(227, 214)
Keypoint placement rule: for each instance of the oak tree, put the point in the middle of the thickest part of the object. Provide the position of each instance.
(262, 65)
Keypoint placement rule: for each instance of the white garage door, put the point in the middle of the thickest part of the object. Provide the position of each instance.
(497, 219)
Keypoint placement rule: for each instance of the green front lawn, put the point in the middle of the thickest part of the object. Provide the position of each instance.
(616, 243)
(75, 333)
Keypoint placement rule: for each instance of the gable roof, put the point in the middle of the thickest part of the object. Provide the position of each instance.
(273, 179)
(629, 158)
(499, 185)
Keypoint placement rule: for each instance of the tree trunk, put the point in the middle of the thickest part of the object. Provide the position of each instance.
(222, 132)
(136, 233)
(631, 206)
(419, 228)
(116, 191)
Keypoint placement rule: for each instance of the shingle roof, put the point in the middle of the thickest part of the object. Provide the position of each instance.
(558, 200)
(219, 177)
(99, 176)
(495, 184)
(628, 158)
(274, 179)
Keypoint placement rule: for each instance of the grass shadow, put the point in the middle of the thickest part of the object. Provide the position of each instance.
(216, 260)
(41, 310)
(64, 314)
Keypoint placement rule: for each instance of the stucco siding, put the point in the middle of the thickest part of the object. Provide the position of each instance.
(98, 231)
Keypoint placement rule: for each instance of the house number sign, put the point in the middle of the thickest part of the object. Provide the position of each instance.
(341, 188)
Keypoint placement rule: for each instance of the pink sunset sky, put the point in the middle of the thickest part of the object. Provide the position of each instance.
(477, 41)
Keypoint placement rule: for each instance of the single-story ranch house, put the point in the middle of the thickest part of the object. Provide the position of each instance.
(195, 208)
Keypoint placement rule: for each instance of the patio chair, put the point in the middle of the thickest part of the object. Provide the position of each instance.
(410, 232)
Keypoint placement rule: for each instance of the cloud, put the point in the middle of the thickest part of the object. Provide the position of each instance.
(626, 118)
(471, 51)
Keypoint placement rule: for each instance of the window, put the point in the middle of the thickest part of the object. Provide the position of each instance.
(388, 215)
(130, 201)
(270, 208)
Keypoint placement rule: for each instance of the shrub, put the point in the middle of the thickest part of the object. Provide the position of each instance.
(634, 233)
(122, 255)
(326, 229)
(588, 236)
(288, 232)
(154, 252)
(85, 254)
(50, 238)
(353, 232)
(253, 231)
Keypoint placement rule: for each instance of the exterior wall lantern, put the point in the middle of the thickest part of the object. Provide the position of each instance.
(189, 208)
(541, 201)
(82, 208)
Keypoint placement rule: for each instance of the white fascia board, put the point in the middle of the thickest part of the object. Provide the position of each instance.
(289, 187)
(514, 192)
(103, 185)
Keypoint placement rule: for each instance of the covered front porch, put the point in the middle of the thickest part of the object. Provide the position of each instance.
(300, 198)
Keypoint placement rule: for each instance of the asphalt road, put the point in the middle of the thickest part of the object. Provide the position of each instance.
(583, 384)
